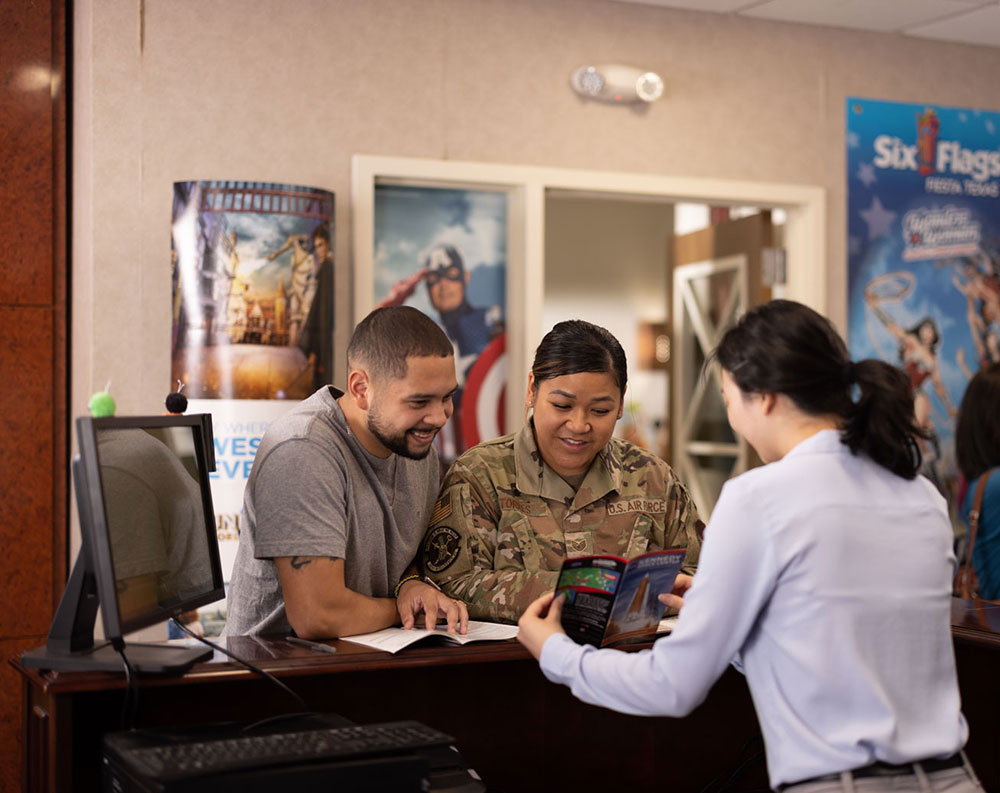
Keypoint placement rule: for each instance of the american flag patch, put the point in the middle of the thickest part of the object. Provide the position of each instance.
(441, 510)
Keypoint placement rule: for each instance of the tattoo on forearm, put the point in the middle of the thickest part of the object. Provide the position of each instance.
(298, 562)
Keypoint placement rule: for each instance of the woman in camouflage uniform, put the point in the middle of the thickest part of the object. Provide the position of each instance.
(513, 508)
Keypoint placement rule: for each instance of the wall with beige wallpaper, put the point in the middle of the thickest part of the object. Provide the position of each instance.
(289, 90)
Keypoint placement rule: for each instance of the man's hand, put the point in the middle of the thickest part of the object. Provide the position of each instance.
(675, 599)
(416, 596)
(540, 620)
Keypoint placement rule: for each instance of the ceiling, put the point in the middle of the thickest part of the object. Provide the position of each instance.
(964, 21)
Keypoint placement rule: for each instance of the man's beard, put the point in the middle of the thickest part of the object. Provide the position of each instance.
(396, 443)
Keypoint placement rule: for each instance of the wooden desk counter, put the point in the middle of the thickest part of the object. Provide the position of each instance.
(520, 732)
(976, 622)
(975, 628)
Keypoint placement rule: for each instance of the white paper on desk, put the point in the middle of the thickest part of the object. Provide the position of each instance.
(392, 640)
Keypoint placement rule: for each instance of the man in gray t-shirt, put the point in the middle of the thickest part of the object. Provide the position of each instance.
(342, 489)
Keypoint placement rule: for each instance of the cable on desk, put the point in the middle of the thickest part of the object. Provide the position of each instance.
(303, 708)
(130, 704)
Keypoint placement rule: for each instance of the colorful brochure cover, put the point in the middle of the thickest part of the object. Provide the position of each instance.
(609, 598)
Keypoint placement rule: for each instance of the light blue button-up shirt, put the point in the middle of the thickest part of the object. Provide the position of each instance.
(827, 579)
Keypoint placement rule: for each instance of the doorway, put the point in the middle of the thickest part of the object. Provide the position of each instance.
(605, 262)
(642, 266)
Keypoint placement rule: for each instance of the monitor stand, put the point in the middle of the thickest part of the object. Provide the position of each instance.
(153, 659)
(70, 645)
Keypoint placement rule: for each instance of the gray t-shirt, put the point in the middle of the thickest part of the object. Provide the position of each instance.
(315, 491)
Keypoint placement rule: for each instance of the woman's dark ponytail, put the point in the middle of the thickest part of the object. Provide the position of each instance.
(881, 422)
(783, 347)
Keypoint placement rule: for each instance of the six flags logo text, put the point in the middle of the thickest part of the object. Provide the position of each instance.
(929, 155)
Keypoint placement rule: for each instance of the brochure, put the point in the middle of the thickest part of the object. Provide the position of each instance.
(393, 640)
(609, 598)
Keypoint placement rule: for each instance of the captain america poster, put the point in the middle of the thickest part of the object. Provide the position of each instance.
(444, 252)
(923, 220)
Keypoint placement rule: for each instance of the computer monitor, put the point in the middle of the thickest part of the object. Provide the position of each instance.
(149, 546)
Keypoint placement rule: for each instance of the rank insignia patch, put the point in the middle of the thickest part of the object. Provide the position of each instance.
(441, 549)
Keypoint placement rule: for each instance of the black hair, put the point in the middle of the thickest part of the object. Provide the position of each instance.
(977, 431)
(783, 347)
(576, 346)
(915, 332)
(384, 339)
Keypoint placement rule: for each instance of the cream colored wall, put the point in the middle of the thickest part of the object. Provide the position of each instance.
(287, 91)
(600, 246)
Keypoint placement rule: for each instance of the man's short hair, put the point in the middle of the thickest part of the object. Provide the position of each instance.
(384, 339)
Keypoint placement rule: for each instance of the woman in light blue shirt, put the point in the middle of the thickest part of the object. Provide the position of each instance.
(825, 575)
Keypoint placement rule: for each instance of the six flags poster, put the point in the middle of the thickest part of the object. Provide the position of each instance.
(923, 225)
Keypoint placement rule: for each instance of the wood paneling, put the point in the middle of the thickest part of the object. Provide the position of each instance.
(11, 695)
(26, 469)
(33, 342)
(26, 134)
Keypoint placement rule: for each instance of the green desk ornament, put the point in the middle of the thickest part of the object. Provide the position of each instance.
(102, 403)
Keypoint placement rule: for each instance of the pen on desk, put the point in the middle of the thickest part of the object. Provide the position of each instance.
(320, 648)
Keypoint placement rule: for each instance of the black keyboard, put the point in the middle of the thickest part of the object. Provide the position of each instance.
(182, 759)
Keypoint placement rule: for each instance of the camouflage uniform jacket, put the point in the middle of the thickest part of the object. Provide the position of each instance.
(505, 521)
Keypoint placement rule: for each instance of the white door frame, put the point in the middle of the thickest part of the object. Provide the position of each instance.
(805, 230)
